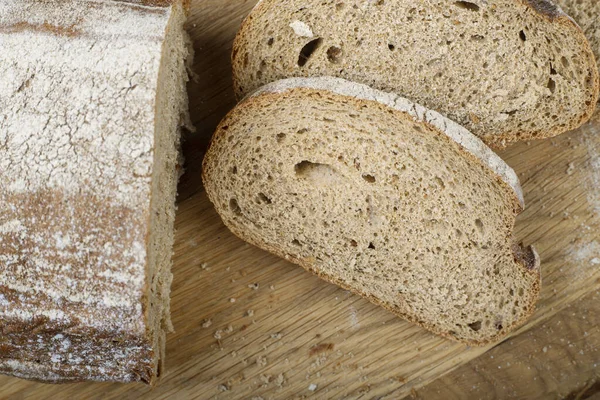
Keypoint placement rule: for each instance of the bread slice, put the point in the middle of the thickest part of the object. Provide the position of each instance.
(379, 196)
(92, 98)
(507, 70)
(586, 13)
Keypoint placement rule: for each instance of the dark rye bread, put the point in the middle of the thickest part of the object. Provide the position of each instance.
(92, 98)
(379, 196)
(507, 70)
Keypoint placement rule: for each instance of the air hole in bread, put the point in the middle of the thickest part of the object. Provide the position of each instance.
(391, 47)
(308, 50)
(340, 6)
(301, 131)
(479, 225)
(467, 5)
(235, 207)
(263, 198)
(320, 174)
(564, 61)
(296, 242)
(551, 85)
(498, 325)
(280, 137)
(522, 36)
(353, 243)
(271, 41)
(477, 38)
(476, 326)
(234, 170)
(369, 178)
(334, 55)
(440, 182)
(371, 246)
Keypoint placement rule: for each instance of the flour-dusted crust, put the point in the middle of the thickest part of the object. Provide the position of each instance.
(469, 142)
(78, 97)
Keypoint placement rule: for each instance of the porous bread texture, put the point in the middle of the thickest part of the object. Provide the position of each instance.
(377, 199)
(92, 97)
(507, 70)
(586, 13)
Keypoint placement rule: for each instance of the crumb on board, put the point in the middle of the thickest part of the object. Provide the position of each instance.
(280, 380)
(277, 335)
(232, 300)
(261, 361)
(222, 388)
(254, 286)
(312, 387)
(206, 323)
(250, 313)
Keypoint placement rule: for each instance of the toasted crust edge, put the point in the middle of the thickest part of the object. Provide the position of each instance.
(528, 257)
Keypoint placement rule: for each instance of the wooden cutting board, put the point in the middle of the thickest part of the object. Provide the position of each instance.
(249, 325)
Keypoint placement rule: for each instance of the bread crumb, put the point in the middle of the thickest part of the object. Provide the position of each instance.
(229, 329)
(261, 361)
(206, 323)
(280, 380)
(222, 388)
(217, 334)
(595, 261)
(250, 313)
(277, 335)
(312, 387)
(204, 266)
(570, 168)
(254, 286)
(272, 287)
(232, 300)
(265, 378)
(545, 349)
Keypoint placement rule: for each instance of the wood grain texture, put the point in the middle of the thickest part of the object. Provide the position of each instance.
(251, 325)
(559, 359)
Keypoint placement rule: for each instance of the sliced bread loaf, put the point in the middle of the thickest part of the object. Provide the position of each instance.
(507, 70)
(380, 196)
(92, 98)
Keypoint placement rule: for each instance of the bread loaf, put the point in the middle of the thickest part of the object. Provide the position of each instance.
(92, 98)
(380, 196)
(507, 70)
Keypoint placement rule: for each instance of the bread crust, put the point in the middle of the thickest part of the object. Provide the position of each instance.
(76, 184)
(527, 257)
(545, 8)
